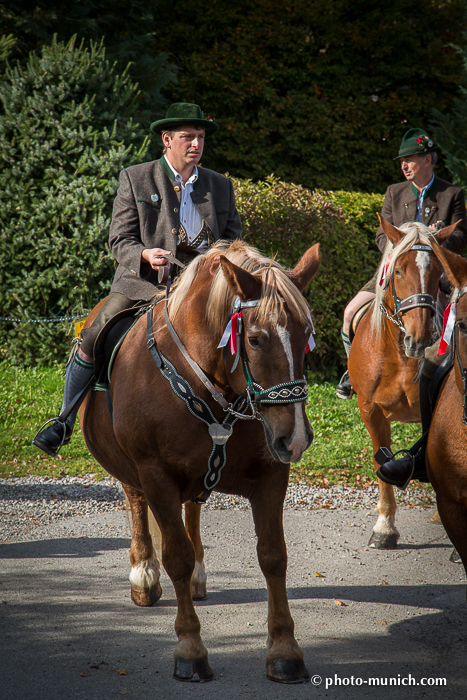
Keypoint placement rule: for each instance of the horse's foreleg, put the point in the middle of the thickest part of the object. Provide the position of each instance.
(178, 558)
(284, 660)
(385, 534)
(192, 526)
(145, 569)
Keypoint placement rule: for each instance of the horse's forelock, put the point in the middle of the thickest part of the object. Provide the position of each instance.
(277, 287)
(415, 232)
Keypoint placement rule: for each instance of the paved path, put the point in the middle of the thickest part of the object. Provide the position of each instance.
(68, 629)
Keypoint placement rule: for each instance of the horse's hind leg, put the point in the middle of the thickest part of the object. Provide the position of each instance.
(145, 570)
(284, 660)
(192, 526)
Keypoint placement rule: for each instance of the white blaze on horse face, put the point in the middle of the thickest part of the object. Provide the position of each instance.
(299, 440)
(422, 260)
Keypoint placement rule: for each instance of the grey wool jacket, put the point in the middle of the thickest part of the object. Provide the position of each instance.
(146, 215)
(443, 202)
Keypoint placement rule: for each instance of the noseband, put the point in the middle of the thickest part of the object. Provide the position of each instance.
(411, 302)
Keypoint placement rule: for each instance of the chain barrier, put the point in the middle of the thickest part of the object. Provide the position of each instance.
(44, 319)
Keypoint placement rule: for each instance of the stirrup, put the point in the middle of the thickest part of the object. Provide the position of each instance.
(384, 455)
(56, 419)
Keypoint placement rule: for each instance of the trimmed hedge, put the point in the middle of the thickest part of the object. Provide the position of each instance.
(284, 219)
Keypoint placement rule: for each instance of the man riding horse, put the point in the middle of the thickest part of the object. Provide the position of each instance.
(436, 203)
(163, 209)
(423, 197)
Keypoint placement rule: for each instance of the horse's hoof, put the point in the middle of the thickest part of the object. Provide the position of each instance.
(379, 541)
(192, 670)
(287, 671)
(146, 596)
(198, 591)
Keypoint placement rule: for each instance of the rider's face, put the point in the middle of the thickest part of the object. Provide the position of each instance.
(186, 146)
(417, 169)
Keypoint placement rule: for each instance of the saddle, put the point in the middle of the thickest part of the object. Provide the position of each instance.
(357, 317)
(109, 341)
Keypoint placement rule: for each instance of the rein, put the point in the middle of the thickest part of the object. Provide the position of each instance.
(412, 302)
(463, 371)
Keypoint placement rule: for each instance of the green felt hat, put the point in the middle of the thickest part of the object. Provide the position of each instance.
(415, 142)
(184, 114)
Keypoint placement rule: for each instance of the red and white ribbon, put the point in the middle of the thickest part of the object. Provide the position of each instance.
(449, 321)
(231, 332)
(384, 272)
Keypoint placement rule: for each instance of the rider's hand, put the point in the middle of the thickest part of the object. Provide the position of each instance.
(155, 257)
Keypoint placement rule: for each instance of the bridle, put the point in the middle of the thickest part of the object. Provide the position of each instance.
(279, 394)
(462, 369)
(284, 393)
(411, 302)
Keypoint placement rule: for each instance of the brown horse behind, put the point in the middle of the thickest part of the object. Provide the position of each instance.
(389, 344)
(446, 453)
(159, 449)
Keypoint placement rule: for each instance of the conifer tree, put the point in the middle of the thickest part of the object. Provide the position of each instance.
(66, 130)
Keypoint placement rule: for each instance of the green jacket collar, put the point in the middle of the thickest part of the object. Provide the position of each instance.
(427, 192)
(169, 172)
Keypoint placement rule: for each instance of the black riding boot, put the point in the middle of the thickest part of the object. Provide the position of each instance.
(344, 388)
(398, 472)
(58, 433)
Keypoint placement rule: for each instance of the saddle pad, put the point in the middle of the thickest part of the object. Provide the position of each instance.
(357, 317)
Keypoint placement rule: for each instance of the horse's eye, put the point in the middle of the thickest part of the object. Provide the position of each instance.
(254, 342)
(462, 327)
(398, 273)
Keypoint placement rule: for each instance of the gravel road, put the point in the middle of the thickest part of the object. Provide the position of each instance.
(26, 502)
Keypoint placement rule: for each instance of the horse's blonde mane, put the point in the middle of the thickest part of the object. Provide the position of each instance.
(415, 232)
(277, 287)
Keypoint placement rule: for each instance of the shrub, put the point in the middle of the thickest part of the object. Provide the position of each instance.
(284, 219)
(66, 131)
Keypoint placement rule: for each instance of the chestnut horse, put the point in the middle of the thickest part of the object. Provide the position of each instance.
(446, 452)
(389, 344)
(178, 431)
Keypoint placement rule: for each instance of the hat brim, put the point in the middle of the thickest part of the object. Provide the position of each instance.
(411, 152)
(170, 124)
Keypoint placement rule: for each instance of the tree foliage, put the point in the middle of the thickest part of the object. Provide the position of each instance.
(317, 92)
(65, 133)
(128, 28)
(450, 130)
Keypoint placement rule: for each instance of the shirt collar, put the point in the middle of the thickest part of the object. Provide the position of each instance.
(421, 194)
(191, 180)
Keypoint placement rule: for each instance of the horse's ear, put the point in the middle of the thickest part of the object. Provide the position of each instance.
(455, 266)
(241, 283)
(306, 268)
(392, 233)
(444, 233)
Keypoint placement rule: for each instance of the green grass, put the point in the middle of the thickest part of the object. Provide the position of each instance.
(340, 454)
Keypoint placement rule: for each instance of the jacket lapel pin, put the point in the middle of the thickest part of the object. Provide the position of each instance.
(155, 197)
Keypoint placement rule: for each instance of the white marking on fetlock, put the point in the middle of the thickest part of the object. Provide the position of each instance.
(385, 525)
(299, 441)
(199, 574)
(145, 575)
